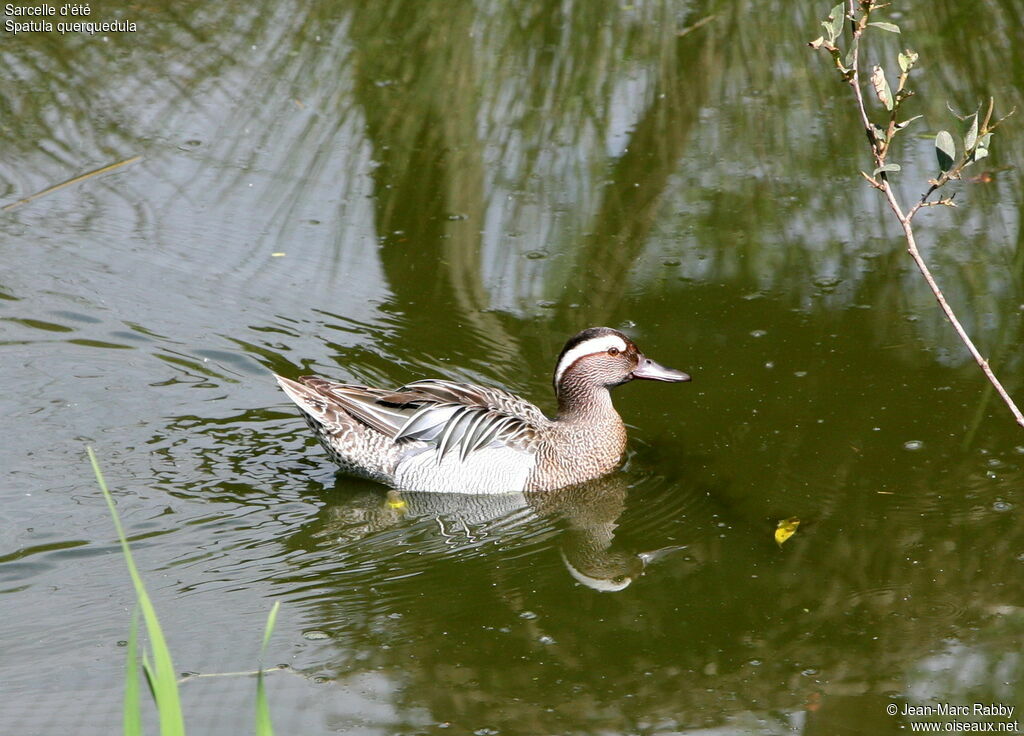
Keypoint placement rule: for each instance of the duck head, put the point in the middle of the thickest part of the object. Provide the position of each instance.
(603, 357)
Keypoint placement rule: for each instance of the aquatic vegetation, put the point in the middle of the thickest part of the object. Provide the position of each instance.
(160, 673)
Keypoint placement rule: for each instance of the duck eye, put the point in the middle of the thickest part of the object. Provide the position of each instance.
(613, 351)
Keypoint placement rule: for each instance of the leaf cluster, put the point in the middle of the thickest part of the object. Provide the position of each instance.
(844, 30)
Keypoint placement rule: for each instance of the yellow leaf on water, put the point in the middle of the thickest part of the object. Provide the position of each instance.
(786, 529)
(395, 501)
(279, 254)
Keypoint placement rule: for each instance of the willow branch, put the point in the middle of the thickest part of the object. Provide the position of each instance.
(881, 182)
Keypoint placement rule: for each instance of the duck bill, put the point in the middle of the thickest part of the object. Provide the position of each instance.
(651, 371)
(656, 555)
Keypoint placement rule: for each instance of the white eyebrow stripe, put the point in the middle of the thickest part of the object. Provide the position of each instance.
(588, 347)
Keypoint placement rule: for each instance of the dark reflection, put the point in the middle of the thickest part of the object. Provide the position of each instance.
(728, 629)
(580, 520)
(633, 195)
(488, 139)
(589, 514)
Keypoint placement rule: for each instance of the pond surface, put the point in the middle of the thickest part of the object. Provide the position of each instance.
(380, 192)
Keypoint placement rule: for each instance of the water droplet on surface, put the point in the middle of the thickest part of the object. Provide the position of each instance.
(545, 639)
(913, 445)
(528, 615)
(758, 333)
(1002, 506)
(536, 255)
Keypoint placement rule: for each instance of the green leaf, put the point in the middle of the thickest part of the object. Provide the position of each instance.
(147, 670)
(972, 133)
(852, 53)
(162, 676)
(907, 60)
(981, 151)
(264, 726)
(887, 168)
(837, 16)
(132, 719)
(945, 150)
(881, 86)
(879, 133)
(908, 121)
(891, 27)
(269, 630)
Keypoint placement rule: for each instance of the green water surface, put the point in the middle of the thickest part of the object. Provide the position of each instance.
(380, 192)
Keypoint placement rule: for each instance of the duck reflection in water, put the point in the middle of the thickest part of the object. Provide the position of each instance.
(583, 518)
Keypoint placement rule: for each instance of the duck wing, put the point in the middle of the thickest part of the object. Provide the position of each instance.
(450, 416)
(337, 404)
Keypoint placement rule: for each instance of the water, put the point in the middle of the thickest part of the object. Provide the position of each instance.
(398, 190)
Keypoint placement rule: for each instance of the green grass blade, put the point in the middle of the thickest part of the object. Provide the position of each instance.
(269, 630)
(163, 677)
(264, 727)
(147, 670)
(132, 715)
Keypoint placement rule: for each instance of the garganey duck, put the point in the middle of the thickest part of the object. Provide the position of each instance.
(437, 435)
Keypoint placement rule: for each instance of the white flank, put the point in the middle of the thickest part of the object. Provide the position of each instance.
(588, 347)
(489, 470)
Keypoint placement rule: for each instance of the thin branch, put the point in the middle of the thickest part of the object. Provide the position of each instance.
(880, 181)
(908, 231)
(74, 180)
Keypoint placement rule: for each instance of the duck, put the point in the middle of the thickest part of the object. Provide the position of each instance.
(450, 437)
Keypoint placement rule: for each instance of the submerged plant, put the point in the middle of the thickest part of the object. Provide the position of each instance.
(845, 31)
(160, 673)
